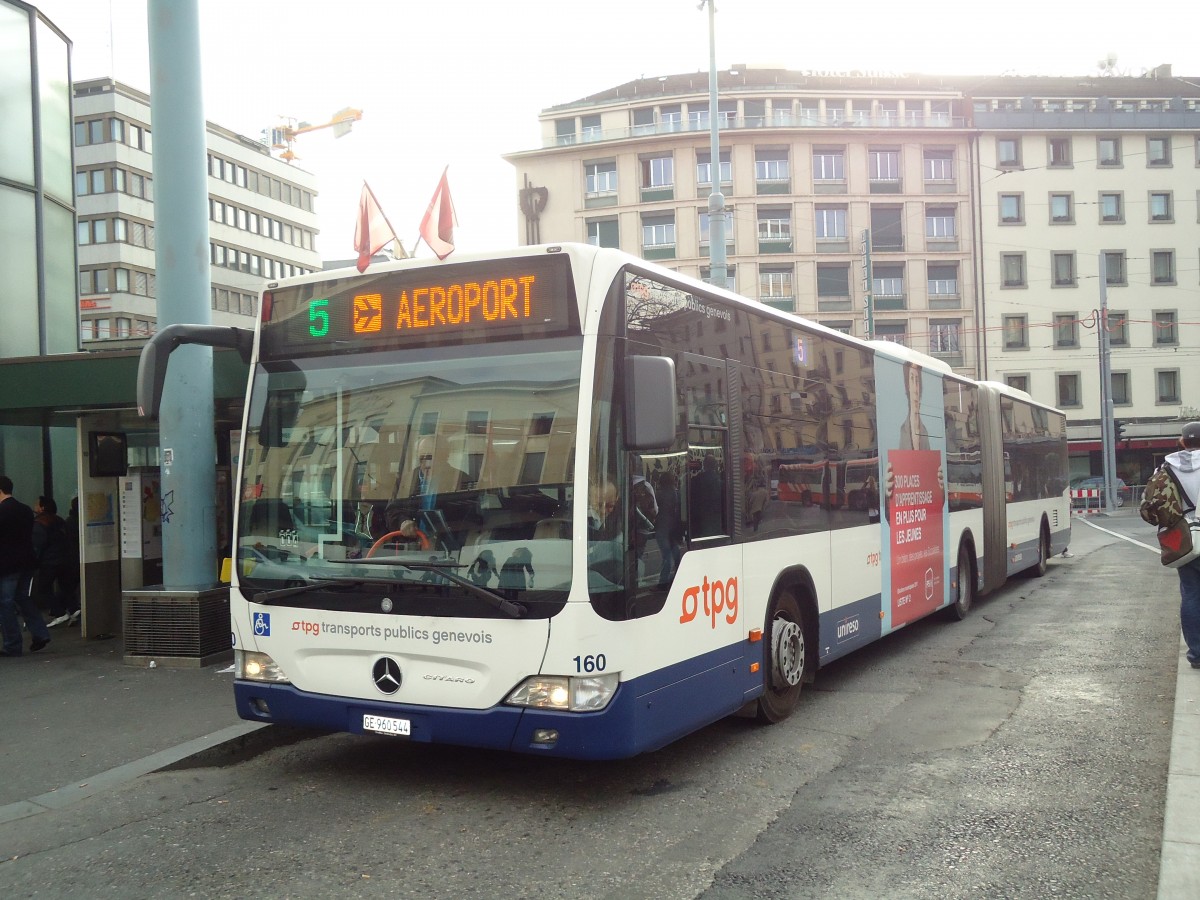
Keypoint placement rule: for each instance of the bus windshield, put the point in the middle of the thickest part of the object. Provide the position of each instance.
(362, 483)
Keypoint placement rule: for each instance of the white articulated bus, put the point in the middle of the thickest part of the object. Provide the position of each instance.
(533, 500)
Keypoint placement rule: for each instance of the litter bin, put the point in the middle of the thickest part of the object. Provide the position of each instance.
(177, 626)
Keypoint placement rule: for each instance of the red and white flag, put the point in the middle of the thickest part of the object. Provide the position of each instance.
(373, 230)
(437, 227)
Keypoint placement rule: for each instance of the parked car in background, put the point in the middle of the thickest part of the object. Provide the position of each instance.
(1096, 483)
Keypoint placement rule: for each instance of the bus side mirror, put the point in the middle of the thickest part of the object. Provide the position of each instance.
(152, 365)
(650, 403)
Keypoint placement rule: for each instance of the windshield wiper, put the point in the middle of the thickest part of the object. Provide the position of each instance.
(490, 597)
(282, 593)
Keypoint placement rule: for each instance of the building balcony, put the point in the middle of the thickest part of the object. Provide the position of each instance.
(833, 119)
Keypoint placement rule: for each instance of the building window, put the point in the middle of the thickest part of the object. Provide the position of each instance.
(1017, 382)
(1158, 151)
(600, 178)
(1016, 332)
(1161, 208)
(942, 281)
(730, 276)
(939, 165)
(883, 167)
(1118, 328)
(943, 336)
(831, 223)
(1114, 267)
(1068, 389)
(1059, 152)
(705, 235)
(833, 285)
(698, 116)
(887, 228)
(590, 128)
(1012, 209)
(776, 283)
(1112, 209)
(829, 164)
(1162, 266)
(775, 225)
(658, 172)
(1008, 152)
(940, 223)
(704, 168)
(658, 230)
(896, 332)
(1062, 266)
(1108, 151)
(1062, 208)
(1167, 384)
(1119, 382)
(1166, 330)
(771, 166)
(603, 233)
(1012, 270)
(1066, 330)
(887, 285)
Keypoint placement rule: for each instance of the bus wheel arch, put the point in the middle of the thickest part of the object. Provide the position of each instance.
(789, 634)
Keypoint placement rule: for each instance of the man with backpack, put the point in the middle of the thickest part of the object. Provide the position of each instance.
(1185, 465)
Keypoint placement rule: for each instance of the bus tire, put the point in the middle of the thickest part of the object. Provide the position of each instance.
(1038, 569)
(965, 591)
(786, 657)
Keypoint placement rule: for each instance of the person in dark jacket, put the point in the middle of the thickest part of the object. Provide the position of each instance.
(17, 564)
(52, 548)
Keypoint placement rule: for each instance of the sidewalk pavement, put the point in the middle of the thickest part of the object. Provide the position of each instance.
(79, 721)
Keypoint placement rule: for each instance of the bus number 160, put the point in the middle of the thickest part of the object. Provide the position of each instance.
(590, 663)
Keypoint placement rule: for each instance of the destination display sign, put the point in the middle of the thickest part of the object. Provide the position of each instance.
(502, 299)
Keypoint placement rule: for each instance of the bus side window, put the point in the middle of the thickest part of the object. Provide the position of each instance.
(706, 499)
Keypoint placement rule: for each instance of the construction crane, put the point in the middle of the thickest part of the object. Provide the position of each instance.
(282, 136)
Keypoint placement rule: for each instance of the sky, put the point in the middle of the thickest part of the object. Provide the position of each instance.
(458, 83)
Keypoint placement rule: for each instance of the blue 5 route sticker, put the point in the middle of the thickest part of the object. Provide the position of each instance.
(262, 624)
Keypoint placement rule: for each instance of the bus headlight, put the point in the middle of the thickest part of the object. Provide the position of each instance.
(252, 666)
(565, 693)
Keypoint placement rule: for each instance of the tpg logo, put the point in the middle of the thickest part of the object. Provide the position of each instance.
(718, 597)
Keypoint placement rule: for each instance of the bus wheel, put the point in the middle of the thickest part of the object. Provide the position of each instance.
(1038, 570)
(786, 658)
(965, 594)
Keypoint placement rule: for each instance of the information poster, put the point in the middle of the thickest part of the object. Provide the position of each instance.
(915, 512)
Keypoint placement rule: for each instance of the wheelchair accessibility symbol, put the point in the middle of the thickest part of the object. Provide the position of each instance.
(262, 624)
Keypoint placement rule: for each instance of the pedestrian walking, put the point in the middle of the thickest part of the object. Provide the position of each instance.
(52, 547)
(17, 565)
(1185, 463)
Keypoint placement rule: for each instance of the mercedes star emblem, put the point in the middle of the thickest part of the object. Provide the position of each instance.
(386, 674)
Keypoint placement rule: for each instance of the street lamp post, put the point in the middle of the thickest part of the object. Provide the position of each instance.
(716, 200)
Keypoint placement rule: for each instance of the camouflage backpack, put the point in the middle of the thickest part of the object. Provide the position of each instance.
(1163, 503)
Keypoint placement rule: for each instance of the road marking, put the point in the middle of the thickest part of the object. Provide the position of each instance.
(1121, 536)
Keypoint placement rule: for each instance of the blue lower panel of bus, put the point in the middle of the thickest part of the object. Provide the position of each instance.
(645, 714)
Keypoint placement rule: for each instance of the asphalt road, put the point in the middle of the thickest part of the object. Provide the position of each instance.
(1021, 753)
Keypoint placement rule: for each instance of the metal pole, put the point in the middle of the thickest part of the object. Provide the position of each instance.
(716, 200)
(868, 284)
(183, 286)
(1107, 437)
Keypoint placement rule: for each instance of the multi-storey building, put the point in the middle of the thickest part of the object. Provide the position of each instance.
(809, 165)
(1082, 179)
(980, 208)
(262, 224)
